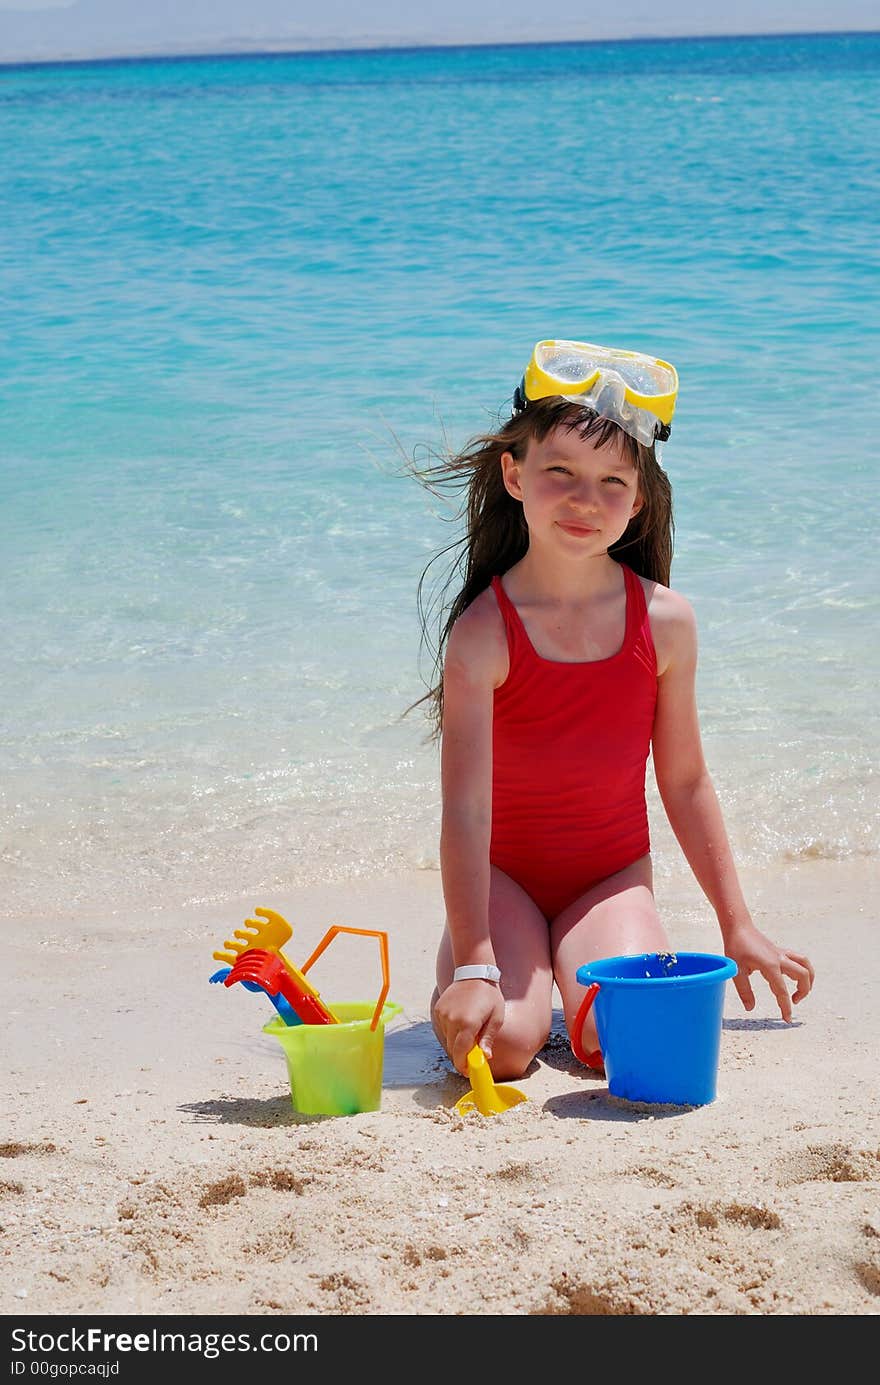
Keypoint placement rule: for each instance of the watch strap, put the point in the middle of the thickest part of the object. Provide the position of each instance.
(477, 971)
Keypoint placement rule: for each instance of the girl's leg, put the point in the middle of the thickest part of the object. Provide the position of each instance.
(521, 940)
(614, 918)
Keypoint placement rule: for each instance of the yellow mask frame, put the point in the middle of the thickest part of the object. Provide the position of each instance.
(636, 391)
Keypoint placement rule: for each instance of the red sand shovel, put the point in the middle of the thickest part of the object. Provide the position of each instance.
(268, 970)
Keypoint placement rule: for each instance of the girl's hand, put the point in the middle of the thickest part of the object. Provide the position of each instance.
(752, 951)
(468, 1013)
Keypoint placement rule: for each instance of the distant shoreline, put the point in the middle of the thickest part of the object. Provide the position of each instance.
(338, 48)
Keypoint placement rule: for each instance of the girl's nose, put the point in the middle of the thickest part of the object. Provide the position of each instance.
(585, 495)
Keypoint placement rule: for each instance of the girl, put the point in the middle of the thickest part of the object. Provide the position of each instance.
(564, 660)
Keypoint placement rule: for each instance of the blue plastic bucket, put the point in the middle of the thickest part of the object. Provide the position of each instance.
(658, 1016)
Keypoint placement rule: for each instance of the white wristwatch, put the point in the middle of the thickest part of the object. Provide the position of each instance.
(482, 971)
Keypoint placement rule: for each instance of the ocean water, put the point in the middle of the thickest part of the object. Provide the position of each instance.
(238, 292)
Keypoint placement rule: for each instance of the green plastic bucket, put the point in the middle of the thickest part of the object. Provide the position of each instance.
(336, 1069)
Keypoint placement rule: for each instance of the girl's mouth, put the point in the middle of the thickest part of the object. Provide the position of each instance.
(579, 530)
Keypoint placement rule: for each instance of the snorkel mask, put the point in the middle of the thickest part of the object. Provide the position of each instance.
(636, 392)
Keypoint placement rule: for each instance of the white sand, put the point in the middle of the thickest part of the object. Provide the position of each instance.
(152, 1162)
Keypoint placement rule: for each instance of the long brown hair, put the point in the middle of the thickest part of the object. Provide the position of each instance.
(495, 533)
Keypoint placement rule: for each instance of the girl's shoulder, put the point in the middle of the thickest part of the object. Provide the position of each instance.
(673, 623)
(665, 602)
(477, 646)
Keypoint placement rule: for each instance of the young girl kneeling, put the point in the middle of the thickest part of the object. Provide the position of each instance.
(566, 658)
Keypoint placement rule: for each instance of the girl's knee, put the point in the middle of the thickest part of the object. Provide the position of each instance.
(515, 1048)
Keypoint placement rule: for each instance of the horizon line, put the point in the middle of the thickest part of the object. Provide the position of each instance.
(380, 46)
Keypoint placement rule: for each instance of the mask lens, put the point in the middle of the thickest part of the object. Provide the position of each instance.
(572, 364)
(645, 377)
(568, 364)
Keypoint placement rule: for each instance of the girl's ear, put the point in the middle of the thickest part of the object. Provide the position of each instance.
(510, 475)
(638, 504)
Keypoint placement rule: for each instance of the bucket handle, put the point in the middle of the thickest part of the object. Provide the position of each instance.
(383, 954)
(577, 1029)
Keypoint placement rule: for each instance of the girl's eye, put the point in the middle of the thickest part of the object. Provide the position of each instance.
(563, 469)
(617, 479)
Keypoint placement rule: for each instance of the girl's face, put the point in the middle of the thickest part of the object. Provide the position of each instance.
(575, 495)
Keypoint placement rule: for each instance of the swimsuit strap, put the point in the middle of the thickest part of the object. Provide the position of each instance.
(636, 606)
(506, 606)
(518, 643)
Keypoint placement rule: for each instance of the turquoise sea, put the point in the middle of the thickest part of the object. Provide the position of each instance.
(237, 291)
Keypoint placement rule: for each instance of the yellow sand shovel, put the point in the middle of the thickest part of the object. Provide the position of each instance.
(485, 1095)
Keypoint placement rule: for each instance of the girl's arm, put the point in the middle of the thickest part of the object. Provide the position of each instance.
(695, 815)
(470, 1010)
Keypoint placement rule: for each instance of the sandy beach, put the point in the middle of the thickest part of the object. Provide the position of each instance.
(152, 1162)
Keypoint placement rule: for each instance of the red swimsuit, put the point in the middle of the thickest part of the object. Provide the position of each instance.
(570, 744)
